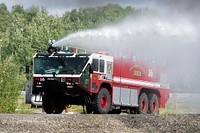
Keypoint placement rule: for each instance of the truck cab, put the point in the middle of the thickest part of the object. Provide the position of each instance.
(64, 78)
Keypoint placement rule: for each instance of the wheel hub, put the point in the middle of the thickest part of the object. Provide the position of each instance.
(103, 101)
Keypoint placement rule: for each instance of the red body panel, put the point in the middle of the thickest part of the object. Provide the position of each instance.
(137, 75)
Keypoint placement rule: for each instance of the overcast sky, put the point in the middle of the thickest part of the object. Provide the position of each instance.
(60, 6)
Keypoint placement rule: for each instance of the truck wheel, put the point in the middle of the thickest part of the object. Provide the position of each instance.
(143, 104)
(59, 103)
(47, 102)
(89, 109)
(102, 102)
(153, 103)
(58, 110)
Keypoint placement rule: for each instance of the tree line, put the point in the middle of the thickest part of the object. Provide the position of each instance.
(24, 31)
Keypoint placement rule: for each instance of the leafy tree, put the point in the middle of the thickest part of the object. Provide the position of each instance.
(31, 13)
(11, 84)
(17, 38)
(42, 28)
(18, 9)
(4, 18)
(128, 10)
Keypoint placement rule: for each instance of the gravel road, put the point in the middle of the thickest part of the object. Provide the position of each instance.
(90, 123)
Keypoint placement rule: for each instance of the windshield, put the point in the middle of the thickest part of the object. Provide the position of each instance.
(50, 65)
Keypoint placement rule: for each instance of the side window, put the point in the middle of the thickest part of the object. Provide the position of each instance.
(95, 65)
(102, 63)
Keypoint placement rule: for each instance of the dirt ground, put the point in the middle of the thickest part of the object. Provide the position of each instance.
(91, 123)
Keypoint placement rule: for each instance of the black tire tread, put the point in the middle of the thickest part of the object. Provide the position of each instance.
(139, 110)
(47, 102)
(151, 97)
(97, 107)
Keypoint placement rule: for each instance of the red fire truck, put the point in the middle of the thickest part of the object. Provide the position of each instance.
(100, 82)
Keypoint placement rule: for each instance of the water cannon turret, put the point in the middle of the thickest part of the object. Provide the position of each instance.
(52, 49)
(51, 42)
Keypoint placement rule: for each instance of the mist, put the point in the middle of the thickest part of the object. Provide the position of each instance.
(147, 32)
(171, 34)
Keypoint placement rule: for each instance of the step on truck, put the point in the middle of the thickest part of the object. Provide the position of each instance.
(102, 83)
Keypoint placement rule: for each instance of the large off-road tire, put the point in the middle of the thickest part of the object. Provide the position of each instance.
(52, 102)
(102, 102)
(58, 110)
(47, 102)
(59, 105)
(89, 109)
(143, 104)
(153, 103)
